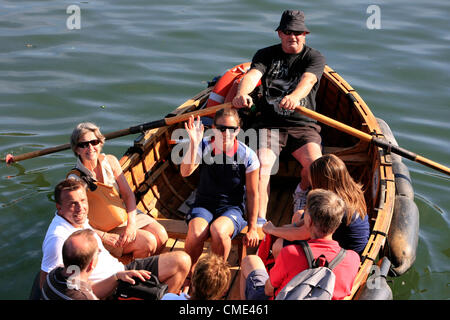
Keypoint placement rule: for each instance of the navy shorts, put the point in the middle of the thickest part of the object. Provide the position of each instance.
(254, 285)
(234, 213)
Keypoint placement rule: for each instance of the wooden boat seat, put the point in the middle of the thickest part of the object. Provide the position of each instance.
(177, 229)
(355, 155)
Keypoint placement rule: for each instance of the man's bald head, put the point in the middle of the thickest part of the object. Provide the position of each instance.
(79, 249)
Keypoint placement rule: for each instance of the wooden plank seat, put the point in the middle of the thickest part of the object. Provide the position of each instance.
(177, 229)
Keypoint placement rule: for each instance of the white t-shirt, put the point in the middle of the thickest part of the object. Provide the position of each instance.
(58, 231)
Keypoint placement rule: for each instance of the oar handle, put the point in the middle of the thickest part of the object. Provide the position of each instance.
(203, 112)
(372, 139)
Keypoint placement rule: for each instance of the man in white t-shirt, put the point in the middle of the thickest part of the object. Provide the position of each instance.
(71, 215)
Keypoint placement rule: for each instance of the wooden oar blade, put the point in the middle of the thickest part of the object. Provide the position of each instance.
(431, 164)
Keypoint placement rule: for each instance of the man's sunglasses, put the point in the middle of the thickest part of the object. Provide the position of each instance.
(222, 128)
(295, 33)
(85, 144)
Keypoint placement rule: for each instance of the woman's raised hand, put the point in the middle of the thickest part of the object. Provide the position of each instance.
(194, 129)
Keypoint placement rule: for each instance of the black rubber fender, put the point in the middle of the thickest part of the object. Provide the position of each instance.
(403, 183)
(376, 287)
(403, 235)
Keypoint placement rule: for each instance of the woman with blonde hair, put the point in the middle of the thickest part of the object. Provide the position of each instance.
(138, 233)
(330, 173)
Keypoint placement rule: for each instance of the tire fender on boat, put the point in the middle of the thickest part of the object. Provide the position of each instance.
(403, 233)
(376, 287)
(403, 184)
(226, 87)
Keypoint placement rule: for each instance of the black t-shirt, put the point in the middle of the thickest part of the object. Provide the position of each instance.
(281, 74)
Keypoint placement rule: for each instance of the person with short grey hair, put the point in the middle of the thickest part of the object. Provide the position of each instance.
(134, 233)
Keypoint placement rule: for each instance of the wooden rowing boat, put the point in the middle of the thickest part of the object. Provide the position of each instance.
(160, 189)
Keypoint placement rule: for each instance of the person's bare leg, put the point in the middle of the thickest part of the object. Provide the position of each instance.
(173, 267)
(160, 234)
(221, 231)
(306, 155)
(267, 159)
(198, 232)
(143, 246)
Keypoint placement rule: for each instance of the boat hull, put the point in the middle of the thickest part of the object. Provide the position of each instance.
(160, 189)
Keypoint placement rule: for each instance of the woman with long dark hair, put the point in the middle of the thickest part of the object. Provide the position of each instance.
(330, 173)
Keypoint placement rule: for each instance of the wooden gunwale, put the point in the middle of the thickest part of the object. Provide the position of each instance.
(385, 206)
(373, 162)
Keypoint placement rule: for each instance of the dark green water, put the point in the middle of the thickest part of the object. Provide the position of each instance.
(136, 61)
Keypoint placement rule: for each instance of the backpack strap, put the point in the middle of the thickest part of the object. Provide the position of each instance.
(308, 253)
(340, 256)
(314, 263)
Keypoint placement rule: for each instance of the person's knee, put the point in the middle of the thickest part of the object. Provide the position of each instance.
(182, 260)
(251, 263)
(159, 232)
(198, 230)
(267, 159)
(147, 246)
(265, 169)
(221, 230)
(162, 235)
(307, 154)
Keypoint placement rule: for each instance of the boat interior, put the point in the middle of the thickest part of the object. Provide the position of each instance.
(163, 193)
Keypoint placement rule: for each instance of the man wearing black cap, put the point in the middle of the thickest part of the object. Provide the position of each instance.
(290, 74)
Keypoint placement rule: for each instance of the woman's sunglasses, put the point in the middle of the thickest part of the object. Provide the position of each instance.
(222, 128)
(85, 144)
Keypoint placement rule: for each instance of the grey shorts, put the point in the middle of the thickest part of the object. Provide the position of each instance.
(149, 264)
(291, 138)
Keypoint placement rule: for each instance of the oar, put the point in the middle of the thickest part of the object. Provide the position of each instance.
(120, 133)
(377, 141)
